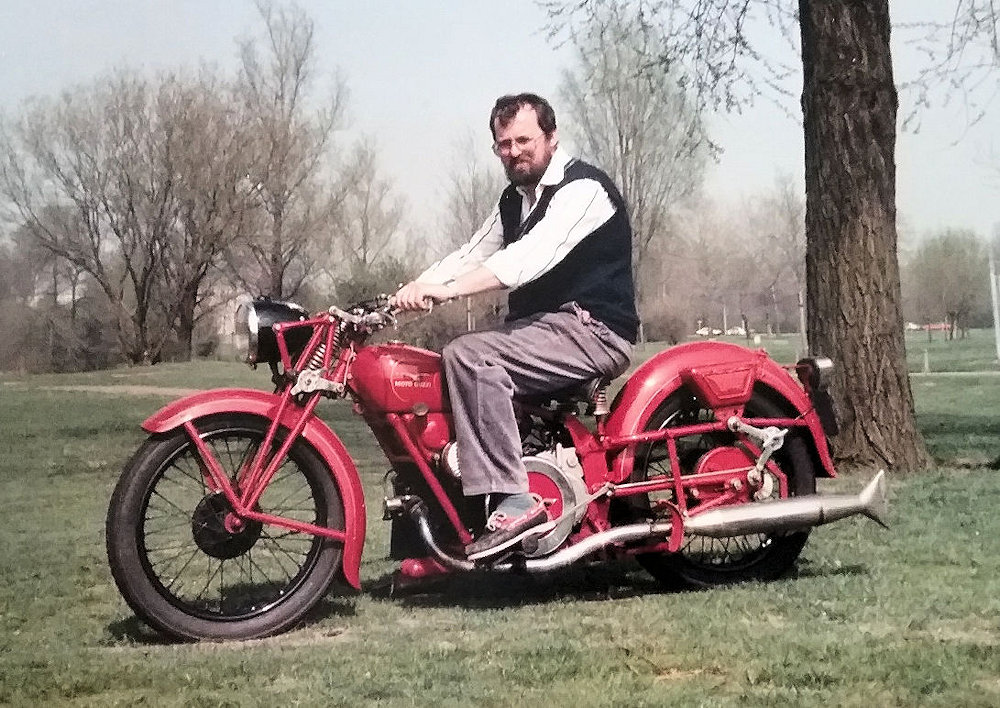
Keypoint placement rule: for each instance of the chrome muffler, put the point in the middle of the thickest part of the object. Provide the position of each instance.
(793, 514)
(766, 517)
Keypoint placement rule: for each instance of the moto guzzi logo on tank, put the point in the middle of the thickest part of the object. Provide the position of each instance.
(413, 381)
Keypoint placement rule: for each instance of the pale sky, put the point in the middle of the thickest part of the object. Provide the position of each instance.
(423, 75)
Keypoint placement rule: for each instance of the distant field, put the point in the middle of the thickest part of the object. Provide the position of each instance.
(909, 616)
(977, 352)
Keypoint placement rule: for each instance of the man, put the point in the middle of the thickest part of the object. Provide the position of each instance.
(559, 239)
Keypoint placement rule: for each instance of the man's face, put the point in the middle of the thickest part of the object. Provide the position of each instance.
(524, 148)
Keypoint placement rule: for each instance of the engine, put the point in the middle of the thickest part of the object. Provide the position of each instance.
(556, 476)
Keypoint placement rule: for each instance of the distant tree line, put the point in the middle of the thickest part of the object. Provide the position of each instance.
(135, 208)
(946, 281)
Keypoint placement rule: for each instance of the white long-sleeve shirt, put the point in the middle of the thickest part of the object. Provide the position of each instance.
(576, 210)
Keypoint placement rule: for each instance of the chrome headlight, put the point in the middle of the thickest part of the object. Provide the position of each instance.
(254, 319)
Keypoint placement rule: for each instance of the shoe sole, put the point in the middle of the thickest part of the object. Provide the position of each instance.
(494, 550)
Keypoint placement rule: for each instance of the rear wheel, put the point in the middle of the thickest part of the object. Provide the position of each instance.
(180, 562)
(703, 561)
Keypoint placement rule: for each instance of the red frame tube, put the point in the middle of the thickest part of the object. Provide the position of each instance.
(432, 481)
(261, 478)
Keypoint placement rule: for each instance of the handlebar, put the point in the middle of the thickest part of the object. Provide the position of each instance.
(373, 314)
(377, 312)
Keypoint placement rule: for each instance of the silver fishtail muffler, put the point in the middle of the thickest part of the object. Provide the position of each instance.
(793, 514)
(781, 515)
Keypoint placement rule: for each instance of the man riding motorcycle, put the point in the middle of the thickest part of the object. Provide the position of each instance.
(560, 240)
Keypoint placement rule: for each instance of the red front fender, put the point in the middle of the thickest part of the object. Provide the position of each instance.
(316, 433)
(734, 369)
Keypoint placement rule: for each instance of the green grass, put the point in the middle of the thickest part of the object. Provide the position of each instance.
(909, 616)
(959, 416)
(977, 352)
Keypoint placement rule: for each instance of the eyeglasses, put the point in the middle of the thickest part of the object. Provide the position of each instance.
(505, 147)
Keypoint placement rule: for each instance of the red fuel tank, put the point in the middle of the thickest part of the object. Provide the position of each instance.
(398, 378)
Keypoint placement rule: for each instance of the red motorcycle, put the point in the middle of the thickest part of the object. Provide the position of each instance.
(242, 507)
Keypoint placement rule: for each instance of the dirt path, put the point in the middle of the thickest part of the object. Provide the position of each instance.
(130, 390)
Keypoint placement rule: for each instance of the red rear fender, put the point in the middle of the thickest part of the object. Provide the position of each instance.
(316, 433)
(725, 374)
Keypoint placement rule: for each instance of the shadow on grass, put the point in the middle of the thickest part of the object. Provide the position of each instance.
(485, 590)
(133, 631)
(592, 583)
(806, 569)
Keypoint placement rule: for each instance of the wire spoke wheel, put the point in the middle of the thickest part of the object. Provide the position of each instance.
(189, 566)
(702, 560)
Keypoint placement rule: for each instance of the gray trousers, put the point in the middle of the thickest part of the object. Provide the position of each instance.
(485, 370)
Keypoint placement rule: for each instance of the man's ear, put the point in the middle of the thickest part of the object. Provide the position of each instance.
(554, 138)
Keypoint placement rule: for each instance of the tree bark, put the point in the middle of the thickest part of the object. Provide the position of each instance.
(849, 113)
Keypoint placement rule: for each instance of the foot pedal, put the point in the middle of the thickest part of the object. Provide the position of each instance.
(514, 545)
(529, 544)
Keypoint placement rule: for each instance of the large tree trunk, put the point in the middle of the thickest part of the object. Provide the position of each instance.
(849, 113)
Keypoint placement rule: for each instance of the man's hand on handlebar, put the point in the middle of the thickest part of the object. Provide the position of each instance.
(420, 296)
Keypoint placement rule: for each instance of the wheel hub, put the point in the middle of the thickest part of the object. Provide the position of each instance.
(219, 532)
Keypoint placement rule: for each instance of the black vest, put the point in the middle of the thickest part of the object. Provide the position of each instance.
(597, 273)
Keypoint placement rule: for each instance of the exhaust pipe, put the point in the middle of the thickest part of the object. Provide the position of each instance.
(793, 514)
(782, 515)
(561, 559)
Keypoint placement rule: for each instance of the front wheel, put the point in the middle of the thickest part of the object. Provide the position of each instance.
(187, 573)
(703, 561)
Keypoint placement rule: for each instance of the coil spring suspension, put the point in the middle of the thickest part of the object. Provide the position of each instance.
(316, 360)
(599, 404)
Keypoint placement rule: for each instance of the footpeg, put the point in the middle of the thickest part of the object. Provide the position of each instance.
(393, 507)
(529, 544)
(516, 545)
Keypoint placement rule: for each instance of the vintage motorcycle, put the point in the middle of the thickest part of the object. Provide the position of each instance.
(242, 507)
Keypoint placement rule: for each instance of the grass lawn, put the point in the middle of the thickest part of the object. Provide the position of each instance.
(909, 616)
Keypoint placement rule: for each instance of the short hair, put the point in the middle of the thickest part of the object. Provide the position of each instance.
(507, 107)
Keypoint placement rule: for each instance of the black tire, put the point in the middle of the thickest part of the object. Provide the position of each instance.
(189, 578)
(703, 561)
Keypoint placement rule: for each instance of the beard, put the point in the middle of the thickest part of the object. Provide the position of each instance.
(524, 177)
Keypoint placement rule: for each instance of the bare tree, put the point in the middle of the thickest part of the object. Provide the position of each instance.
(291, 144)
(473, 191)
(89, 175)
(211, 157)
(779, 217)
(369, 214)
(640, 126)
(849, 111)
(947, 279)
(139, 184)
(773, 231)
(961, 54)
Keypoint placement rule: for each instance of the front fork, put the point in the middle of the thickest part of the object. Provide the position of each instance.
(253, 479)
